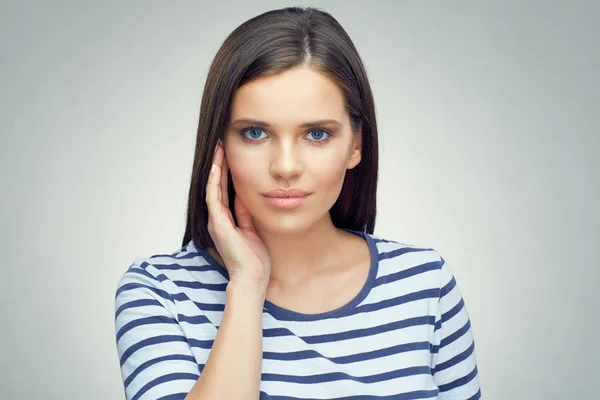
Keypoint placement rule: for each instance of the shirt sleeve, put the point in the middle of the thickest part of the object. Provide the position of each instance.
(454, 364)
(155, 358)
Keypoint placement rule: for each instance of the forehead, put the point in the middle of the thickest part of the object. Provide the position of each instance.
(291, 97)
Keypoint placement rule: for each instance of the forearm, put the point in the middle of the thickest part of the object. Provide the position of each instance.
(234, 365)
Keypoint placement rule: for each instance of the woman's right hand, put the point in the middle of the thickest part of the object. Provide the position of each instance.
(243, 252)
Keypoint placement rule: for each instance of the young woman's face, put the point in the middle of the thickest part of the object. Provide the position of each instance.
(281, 153)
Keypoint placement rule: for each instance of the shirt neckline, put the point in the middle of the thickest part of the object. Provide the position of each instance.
(286, 314)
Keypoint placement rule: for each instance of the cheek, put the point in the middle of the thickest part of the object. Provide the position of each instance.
(331, 171)
(244, 169)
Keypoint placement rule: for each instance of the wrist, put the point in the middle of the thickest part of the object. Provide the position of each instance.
(249, 278)
(249, 286)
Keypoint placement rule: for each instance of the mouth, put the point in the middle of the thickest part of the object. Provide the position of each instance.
(286, 193)
(286, 201)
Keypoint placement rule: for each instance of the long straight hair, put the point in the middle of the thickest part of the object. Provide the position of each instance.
(269, 44)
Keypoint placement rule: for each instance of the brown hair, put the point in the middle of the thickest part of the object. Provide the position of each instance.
(272, 43)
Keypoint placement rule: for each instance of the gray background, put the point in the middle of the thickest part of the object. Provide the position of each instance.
(488, 121)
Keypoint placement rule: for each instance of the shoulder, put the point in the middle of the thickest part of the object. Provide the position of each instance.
(422, 265)
(165, 273)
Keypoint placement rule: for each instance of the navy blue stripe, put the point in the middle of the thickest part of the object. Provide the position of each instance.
(453, 311)
(419, 269)
(176, 396)
(448, 287)
(349, 359)
(454, 336)
(149, 342)
(355, 333)
(172, 357)
(174, 297)
(415, 321)
(158, 319)
(219, 287)
(370, 355)
(196, 319)
(455, 360)
(162, 277)
(207, 267)
(180, 255)
(130, 286)
(449, 314)
(276, 332)
(382, 240)
(163, 379)
(338, 376)
(203, 344)
(407, 298)
(137, 269)
(137, 303)
(416, 395)
(145, 264)
(434, 349)
(191, 268)
(399, 252)
(292, 355)
(420, 295)
(210, 306)
(190, 254)
(459, 382)
(476, 396)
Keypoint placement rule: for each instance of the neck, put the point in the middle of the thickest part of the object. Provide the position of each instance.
(296, 256)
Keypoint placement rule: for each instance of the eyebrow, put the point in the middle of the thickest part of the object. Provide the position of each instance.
(309, 124)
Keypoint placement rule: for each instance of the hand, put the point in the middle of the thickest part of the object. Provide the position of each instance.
(243, 252)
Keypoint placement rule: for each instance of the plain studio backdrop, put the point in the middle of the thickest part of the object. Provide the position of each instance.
(489, 134)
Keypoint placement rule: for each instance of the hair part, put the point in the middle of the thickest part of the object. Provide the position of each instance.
(269, 44)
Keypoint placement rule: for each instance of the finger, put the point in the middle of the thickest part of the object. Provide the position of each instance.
(224, 181)
(244, 218)
(216, 212)
(218, 161)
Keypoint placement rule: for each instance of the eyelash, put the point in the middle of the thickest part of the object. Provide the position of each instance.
(317, 142)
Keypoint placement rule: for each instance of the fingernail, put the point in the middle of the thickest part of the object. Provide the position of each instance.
(212, 169)
(216, 147)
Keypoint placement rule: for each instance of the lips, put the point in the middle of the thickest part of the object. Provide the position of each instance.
(286, 199)
(286, 193)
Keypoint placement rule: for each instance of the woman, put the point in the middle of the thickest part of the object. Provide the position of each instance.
(281, 290)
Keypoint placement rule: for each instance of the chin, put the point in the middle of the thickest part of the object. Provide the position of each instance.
(287, 222)
(284, 224)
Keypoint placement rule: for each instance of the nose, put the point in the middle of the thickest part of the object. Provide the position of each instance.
(285, 160)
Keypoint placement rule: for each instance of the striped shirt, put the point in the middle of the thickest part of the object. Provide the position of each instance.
(406, 335)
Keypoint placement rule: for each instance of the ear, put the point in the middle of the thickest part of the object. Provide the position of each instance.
(356, 152)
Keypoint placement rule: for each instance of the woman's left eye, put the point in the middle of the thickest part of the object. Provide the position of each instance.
(319, 137)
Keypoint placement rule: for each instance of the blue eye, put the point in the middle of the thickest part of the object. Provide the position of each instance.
(252, 133)
(319, 138)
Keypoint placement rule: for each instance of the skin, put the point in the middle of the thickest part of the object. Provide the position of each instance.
(313, 266)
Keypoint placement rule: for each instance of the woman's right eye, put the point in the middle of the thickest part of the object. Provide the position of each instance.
(252, 134)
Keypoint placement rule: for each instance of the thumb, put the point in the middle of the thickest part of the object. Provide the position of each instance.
(244, 219)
